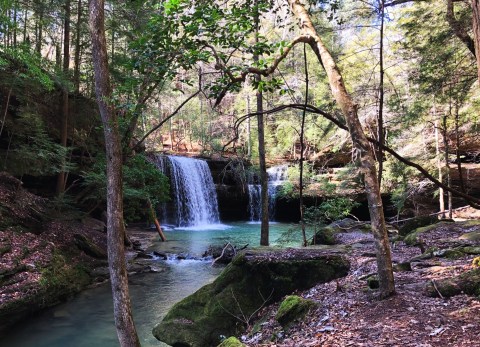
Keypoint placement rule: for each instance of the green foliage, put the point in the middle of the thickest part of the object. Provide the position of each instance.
(142, 181)
(32, 151)
(28, 66)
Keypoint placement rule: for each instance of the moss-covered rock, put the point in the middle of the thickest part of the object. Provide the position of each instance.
(231, 342)
(467, 282)
(472, 236)
(416, 223)
(412, 238)
(293, 308)
(253, 279)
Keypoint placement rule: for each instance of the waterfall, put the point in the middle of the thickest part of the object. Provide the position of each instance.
(194, 195)
(277, 175)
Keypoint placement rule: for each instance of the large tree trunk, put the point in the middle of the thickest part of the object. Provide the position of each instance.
(361, 146)
(126, 331)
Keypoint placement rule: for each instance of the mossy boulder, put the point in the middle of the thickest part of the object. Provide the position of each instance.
(412, 238)
(416, 223)
(231, 342)
(251, 280)
(326, 235)
(293, 308)
(473, 236)
(467, 282)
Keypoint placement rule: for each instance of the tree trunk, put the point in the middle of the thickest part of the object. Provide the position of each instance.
(302, 146)
(264, 237)
(126, 331)
(76, 72)
(61, 179)
(447, 164)
(361, 146)
(441, 198)
(380, 127)
(476, 32)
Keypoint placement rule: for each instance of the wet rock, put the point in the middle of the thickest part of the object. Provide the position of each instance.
(252, 279)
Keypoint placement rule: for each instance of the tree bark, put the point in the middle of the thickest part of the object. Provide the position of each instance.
(361, 145)
(76, 72)
(458, 29)
(61, 179)
(264, 229)
(125, 326)
(302, 147)
(441, 196)
(381, 91)
(476, 32)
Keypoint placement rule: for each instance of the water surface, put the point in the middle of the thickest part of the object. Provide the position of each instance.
(87, 321)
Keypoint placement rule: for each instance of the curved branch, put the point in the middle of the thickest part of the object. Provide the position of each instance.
(458, 28)
(474, 202)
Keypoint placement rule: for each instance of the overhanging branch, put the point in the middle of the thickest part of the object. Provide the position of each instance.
(474, 202)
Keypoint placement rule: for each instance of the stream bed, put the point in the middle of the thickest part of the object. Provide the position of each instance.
(87, 320)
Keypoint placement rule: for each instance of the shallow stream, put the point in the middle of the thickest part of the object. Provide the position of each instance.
(87, 320)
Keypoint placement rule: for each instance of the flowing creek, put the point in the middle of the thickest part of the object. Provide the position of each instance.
(87, 320)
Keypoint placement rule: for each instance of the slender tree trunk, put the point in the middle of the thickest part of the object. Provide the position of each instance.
(126, 331)
(476, 32)
(39, 30)
(361, 145)
(76, 72)
(441, 196)
(15, 24)
(302, 145)
(264, 237)
(25, 21)
(61, 179)
(447, 164)
(457, 148)
(380, 126)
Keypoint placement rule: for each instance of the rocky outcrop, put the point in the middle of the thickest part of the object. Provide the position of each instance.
(252, 280)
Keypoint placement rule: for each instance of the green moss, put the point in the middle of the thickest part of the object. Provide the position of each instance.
(471, 250)
(472, 236)
(231, 342)
(249, 282)
(416, 223)
(467, 282)
(292, 309)
(412, 238)
(471, 223)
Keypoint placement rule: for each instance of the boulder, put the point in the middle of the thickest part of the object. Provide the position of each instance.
(468, 282)
(293, 308)
(253, 279)
(417, 222)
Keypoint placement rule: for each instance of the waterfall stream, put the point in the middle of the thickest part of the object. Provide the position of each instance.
(194, 195)
(277, 175)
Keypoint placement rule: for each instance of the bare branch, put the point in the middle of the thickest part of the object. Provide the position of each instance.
(165, 120)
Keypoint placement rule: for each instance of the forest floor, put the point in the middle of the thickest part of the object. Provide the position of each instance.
(349, 313)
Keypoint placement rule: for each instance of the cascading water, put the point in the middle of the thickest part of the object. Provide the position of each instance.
(277, 175)
(194, 195)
